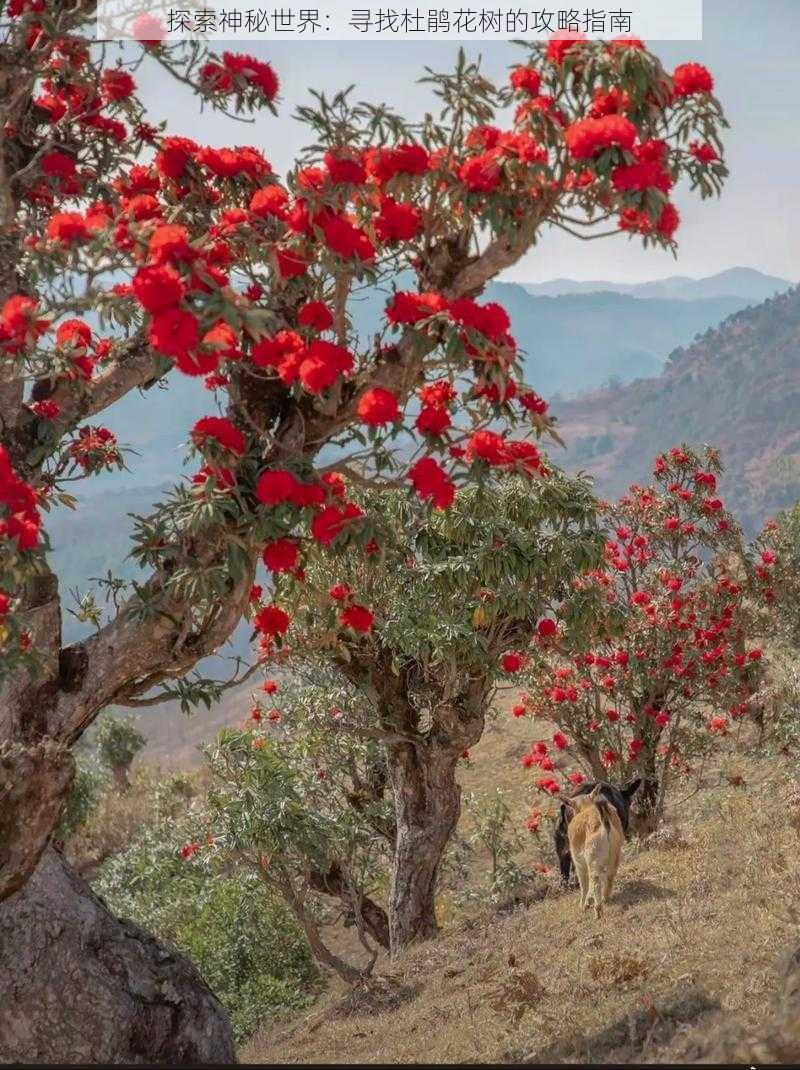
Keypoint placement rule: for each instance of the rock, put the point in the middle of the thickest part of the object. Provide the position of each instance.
(79, 985)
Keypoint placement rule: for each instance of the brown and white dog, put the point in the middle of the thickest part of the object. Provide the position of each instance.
(595, 843)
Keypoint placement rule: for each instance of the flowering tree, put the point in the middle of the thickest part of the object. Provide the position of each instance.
(654, 659)
(418, 631)
(235, 275)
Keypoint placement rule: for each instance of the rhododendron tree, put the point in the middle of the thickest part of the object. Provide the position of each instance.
(414, 637)
(202, 261)
(655, 657)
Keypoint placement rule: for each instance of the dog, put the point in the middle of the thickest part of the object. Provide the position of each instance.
(595, 842)
(620, 799)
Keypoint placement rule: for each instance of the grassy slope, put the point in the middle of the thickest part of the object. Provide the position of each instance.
(688, 947)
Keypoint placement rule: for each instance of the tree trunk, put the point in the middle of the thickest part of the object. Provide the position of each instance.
(427, 808)
(649, 801)
(372, 916)
(79, 986)
(121, 779)
(34, 781)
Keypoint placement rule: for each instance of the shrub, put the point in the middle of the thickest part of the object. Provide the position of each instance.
(242, 939)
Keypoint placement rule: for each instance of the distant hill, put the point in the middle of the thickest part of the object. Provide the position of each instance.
(579, 342)
(739, 282)
(736, 388)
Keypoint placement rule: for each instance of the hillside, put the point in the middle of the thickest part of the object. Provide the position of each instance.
(688, 965)
(737, 388)
(735, 282)
(575, 343)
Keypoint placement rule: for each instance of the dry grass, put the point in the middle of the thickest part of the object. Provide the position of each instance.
(684, 966)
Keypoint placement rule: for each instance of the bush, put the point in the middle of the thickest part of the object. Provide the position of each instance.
(243, 941)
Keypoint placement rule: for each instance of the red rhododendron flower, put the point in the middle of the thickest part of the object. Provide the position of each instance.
(157, 287)
(691, 78)
(703, 152)
(480, 174)
(281, 555)
(269, 201)
(174, 331)
(340, 592)
(641, 176)
(668, 221)
(74, 333)
(512, 661)
(331, 521)
(315, 314)
(431, 481)
(589, 137)
(408, 307)
(561, 43)
(255, 71)
(548, 784)
(219, 428)
(489, 446)
(67, 227)
(357, 617)
(271, 620)
(345, 238)
(526, 79)
(277, 486)
(384, 163)
(546, 628)
(377, 406)
(397, 221)
(433, 420)
(117, 84)
(290, 263)
(533, 820)
(57, 164)
(170, 243)
(322, 364)
(345, 168)
(148, 30)
(274, 352)
(490, 319)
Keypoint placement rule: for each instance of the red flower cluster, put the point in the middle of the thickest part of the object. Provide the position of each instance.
(20, 520)
(221, 431)
(238, 72)
(589, 137)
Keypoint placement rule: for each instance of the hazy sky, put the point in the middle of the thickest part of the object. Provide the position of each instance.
(751, 46)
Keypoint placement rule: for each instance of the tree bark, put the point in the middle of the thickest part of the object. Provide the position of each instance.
(79, 986)
(373, 916)
(427, 807)
(34, 781)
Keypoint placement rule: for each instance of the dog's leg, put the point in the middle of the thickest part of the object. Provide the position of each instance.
(583, 880)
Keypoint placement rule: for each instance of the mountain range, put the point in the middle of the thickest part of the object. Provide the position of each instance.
(745, 283)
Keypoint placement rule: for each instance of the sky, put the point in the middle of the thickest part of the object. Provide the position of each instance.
(751, 46)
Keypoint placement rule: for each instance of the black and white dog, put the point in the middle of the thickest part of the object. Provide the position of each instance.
(620, 799)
